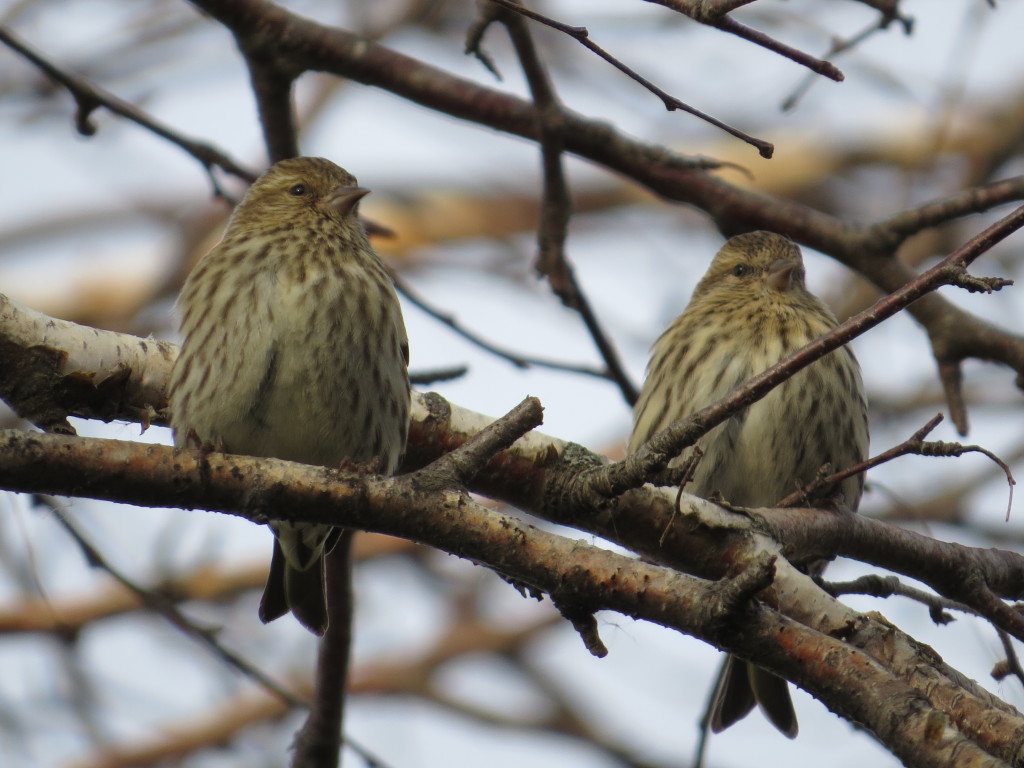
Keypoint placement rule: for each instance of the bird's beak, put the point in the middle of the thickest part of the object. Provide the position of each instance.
(345, 199)
(780, 275)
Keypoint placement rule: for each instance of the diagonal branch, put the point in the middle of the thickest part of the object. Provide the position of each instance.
(582, 36)
(515, 358)
(570, 571)
(715, 14)
(166, 608)
(915, 444)
(90, 97)
(887, 17)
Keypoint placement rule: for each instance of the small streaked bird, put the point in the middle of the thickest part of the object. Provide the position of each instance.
(294, 348)
(751, 309)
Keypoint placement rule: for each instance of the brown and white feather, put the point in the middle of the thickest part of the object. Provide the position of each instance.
(750, 310)
(294, 345)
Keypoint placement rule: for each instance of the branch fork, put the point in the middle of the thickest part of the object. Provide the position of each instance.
(732, 594)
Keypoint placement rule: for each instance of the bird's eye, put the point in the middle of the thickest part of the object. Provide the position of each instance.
(298, 190)
(741, 270)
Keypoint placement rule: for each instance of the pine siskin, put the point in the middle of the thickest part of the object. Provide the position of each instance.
(294, 348)
(749, 311)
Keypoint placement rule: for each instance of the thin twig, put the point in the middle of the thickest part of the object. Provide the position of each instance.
(556, 207)
(434, 375)
(687, 471)
(825, 68)
(582, 36)
(516, 359)
(916, 445)
(843, 45)
(475, 39)
(166, 608)
(718, 18)
(163, 606)
(90, 97)
(617, 372)
(1011, 664)
(887, 586)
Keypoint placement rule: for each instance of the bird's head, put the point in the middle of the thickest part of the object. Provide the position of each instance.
(302, 189)
(756, 266)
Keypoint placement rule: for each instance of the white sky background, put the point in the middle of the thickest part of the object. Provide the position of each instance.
(637, 266)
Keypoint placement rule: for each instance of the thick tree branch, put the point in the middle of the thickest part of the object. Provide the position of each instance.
(529, 475)
(852, 681)
(105, 375)
(533, 475)
(272, 78)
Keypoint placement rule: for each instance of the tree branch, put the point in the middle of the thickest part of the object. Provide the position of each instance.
(582, 36)
(89, 98)
(556, 206)
(516, 359)
(715, 14)
(894, 711)
(529, 475)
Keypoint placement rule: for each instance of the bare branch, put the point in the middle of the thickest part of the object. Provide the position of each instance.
(556, 208)
(105, 376)
(1011, 665)
(889, 14)
(887, 586)
(318, 741)
(89, 98)
(915, 444)
(461, 465)
(891, 232)
(272, 79)
(582, 36)
(715, 14)
(166, 608)
(879, 699)
(516, 359)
